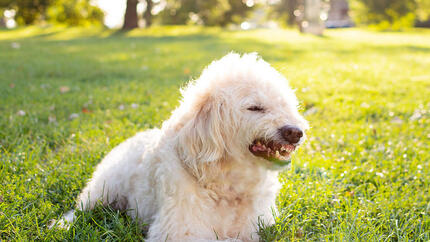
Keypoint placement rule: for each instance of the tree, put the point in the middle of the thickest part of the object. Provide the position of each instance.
(130, 17)
(388, 9)
(284, 10)
(74, 12)
(206, 12)
(148, 14)
(386, 13)
(234, 13)
(27, 11)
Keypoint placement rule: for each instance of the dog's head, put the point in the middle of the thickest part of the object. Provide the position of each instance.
(239, 108)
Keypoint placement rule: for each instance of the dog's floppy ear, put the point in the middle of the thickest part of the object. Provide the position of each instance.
(201, 140)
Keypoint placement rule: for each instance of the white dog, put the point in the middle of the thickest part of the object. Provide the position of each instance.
(210, 172)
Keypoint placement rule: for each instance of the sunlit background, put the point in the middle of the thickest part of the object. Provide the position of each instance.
(114, 12)
(78, 77)
(307, 15)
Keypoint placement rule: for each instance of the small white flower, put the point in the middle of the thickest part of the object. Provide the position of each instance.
(365, 105)
(15, 45)
(73, 116)
(21, 113)
(64, 89)
(52, 119)
(397, 120)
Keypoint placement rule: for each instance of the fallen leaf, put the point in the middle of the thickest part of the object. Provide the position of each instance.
(11, 85)
(85, 110)
(64, 89)
(299, 233)
(350, 193)
(186, 71)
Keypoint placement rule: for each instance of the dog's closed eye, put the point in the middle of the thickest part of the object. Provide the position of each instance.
(256, 108)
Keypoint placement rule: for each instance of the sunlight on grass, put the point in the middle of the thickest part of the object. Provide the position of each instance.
(68, 96)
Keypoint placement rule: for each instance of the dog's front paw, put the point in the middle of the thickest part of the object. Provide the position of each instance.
(64, 222)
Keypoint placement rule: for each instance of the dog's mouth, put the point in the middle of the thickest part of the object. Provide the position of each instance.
(272, 151)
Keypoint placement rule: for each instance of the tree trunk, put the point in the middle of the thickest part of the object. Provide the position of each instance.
(291, 7)
(148, 15)
(130, 17)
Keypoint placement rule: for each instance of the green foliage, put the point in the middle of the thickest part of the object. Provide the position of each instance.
(74, 12)
(362, 175)
(423, 10)
(27, 11)
(208, 12)
(284, 11)
(71, 12)
(389, 14)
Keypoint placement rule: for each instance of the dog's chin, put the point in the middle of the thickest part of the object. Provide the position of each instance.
(276, 153)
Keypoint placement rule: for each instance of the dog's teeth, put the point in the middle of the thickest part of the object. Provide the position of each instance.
(277, 154)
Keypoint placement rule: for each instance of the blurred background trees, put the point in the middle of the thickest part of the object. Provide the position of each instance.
(131, 17)
(394, 14)
(386, 12)
(26, 11)
(208, 12)
(74, 12)
(283, 10)
(70, 12)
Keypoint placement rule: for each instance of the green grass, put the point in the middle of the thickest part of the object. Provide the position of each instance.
(363, 174)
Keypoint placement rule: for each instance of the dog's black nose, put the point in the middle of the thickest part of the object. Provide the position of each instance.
(291, 134)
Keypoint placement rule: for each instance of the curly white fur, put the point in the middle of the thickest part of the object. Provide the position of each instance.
(195, 179)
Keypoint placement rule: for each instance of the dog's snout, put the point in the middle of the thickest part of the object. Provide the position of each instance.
(291, 134)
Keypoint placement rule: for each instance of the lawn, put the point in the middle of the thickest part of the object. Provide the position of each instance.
(68, 96)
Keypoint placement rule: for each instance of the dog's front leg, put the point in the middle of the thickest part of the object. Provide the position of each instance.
(182, 224)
